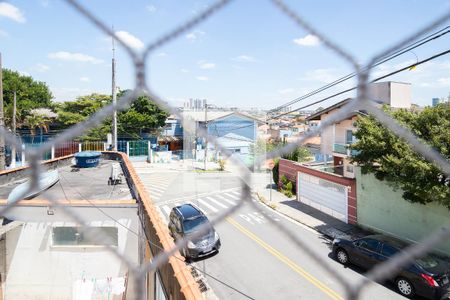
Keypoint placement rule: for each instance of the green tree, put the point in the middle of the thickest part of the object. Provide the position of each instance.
(390, 158)
(31, 94)
(142, 116)
(39, 118)
(74, 112)
(300, 154)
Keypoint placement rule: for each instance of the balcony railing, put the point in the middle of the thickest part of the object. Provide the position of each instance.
(340, 148)
(344, 149)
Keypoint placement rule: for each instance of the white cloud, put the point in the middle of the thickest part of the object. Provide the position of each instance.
(195, 35)
(10, 11)
(162, 54)
(244, 58)
(184, 71)
(202, 78)
(41, 67)
(206, 65)
(151, 8)
(130, 40)
(3, 33)
(308, 41)
(321, 75)
(69, 94)
(444, 81)
(85, 79)
(286, 91)
(69, 56)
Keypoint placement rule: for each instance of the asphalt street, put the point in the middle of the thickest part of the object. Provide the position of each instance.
(257, 260)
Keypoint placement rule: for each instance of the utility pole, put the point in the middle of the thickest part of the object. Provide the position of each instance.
(2, 120)
(13, 148)
(206, 136)
(114, 100)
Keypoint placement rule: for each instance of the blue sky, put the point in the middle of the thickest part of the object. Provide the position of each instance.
(249, 54)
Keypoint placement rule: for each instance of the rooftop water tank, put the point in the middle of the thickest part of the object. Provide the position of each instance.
(87, 159)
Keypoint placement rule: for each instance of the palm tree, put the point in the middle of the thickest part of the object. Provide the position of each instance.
(39, 118)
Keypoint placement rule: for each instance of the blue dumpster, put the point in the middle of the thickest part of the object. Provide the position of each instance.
(87, 159)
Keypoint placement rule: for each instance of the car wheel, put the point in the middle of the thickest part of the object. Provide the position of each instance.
(404, 287)
(342, 256)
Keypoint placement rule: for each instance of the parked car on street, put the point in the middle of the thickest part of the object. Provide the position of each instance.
(427, 276)
(184, 222)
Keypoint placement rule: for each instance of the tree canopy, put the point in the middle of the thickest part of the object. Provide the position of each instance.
(142, 116)
(390, 158)
(31, 94)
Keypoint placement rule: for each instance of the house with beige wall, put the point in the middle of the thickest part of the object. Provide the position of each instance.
(336, 139)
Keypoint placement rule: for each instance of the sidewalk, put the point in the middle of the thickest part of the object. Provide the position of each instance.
(309, 216)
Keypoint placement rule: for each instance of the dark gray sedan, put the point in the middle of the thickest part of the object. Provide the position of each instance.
(427, 276)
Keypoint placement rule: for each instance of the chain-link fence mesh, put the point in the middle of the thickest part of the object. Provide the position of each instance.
(361, 102)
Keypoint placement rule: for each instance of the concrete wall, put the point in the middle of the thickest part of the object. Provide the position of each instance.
(396, 94)
(11, 175)
(335, 133)
(382, 209)
(341, 130)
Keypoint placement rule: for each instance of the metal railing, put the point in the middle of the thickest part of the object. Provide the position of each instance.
(361, 102)
(344, 149)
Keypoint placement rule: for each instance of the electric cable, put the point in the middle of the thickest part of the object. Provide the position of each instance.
(399, 52)
(355, 87)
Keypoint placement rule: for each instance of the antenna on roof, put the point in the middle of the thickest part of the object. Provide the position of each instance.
(114, 101)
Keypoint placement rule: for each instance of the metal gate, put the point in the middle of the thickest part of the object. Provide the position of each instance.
(322, 194)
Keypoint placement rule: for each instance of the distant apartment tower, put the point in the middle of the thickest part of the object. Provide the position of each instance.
(436, 101)
(195, 104)
(286, 109)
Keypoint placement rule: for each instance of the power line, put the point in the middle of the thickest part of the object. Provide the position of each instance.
(355, 87)
(401, 51)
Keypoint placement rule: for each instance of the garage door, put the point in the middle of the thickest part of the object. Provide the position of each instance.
(325, 195)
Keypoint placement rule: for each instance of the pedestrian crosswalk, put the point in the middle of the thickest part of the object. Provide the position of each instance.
(214, 204)
(157, 183)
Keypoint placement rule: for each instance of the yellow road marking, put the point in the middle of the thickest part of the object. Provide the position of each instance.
(332, 294)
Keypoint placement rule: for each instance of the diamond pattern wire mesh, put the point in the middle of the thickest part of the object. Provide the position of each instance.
(362, 101)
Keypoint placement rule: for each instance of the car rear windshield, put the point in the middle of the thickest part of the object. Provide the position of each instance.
(189, 225)
(427, 262)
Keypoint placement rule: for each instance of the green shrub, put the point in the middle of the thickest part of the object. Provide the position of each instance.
(284, 180)
(287, 193)
(288, 186)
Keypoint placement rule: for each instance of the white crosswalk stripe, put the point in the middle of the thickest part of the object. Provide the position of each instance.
(210, 207)
(226, 200)
(155, 192)
(153, 188)
(213, 204)
(216, 202)
(232, 196)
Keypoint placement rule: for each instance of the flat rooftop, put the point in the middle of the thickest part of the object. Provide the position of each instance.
(80, 184)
